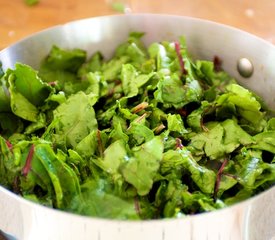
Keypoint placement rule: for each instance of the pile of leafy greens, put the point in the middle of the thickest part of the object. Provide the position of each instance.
(146, 134)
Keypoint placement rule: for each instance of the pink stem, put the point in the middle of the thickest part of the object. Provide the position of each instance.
(219, 176)
(9, 145)
(177, 48)
(27, 166)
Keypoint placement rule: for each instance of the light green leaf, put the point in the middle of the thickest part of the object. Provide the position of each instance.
(175, 124)
(220, 139)
(141, 168)
(75, 119)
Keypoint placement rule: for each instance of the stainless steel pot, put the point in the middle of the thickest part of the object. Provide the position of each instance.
(251, 219)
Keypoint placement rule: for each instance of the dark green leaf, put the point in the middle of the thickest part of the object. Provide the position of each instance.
(64, 180)
(30, 85)
(97, 201)
(62, 59)
(20, 105)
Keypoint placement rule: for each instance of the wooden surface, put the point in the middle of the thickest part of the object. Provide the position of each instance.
(17, 20)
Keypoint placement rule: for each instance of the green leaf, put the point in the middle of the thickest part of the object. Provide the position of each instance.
(226, 183)
(175, 124)
(270, 126)
(114, 156)
(142, 166)
(173, 198)
(112, 69)
(62, 80)
(117, 133)
(204, 178)
(132, 81)
(28, 83)
(128, 74)
(39, 124)
(8, 168)
(97, 200)
(94, 64)
(205, 71)
(4, 99)
(198, 202)
(242, 195)
(265, 141)
(139, 133)
(20, 105)
(63, 59)
(37, 176)
(97, 85)
(248, 108)
(134, 49)
(87, 147)
(10, 124)
(157, 51)
(195, 118)
(170, 91)
(220, 139)
(75, 120)
(173, 92)
(64, 180)
(250, 171)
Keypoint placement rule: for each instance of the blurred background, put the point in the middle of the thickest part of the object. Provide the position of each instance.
(20, 18)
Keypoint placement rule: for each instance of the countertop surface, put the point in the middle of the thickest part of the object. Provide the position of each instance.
(18, 20)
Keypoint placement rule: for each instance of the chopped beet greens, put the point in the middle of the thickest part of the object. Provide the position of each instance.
(147, 134)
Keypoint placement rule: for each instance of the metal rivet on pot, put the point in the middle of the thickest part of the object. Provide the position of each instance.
(245, 67)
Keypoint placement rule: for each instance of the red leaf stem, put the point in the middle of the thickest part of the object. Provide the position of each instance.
(219, 176)
(177, 48)
(9, 145)
(27, 166)
(217, 63)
